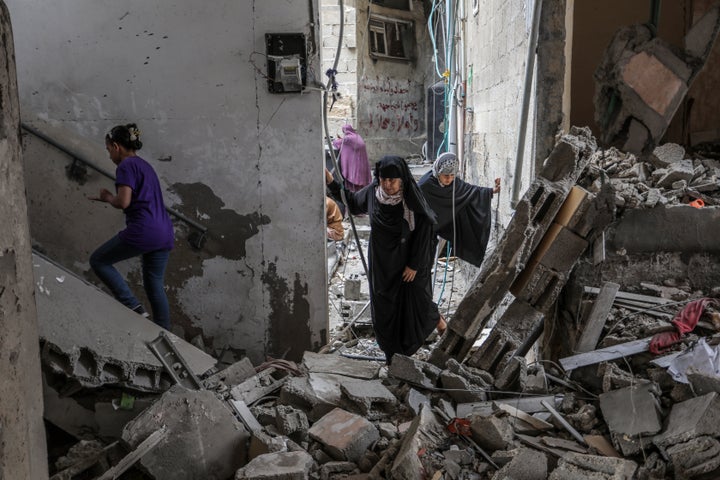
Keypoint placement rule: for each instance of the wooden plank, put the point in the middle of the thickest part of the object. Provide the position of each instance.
(576, 435)
(605, 354)
(602, 445)
(539, 445)
(554, 442)
(245, 415)
(527, 404)
(633, 296)
(131, 458)
(596, 320)
(536, 423)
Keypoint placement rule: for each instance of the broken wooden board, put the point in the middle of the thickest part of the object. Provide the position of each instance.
(633, 296)
(605, 354)
(131, 458)
(596, 320)
(535, 423)
(526, 404)
(602, 445)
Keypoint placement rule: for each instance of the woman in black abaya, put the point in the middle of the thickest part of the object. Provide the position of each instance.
(400, 256)
(463, 210)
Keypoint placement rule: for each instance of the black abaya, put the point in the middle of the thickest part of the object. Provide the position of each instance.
(473, 206)
(403, 313)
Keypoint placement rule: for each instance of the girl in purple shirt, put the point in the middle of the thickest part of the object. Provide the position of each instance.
(148, 230)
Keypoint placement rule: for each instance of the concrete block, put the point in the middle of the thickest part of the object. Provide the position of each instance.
(424, 432)
(339, 365)
(513, 375)
(461, 390)
(699, 457)
(291, 421)
(277, 466)
(331, 470)
(262, 443)
(371, 398)
(344, 435)
(204, 439)
(690, 419)
(667, 154)
(543, 287)
(88, 335)
(527, 464)
(317, 394)
(492, 433)
(572, 466)
(678, 171)
(703, 383)
(413, 371)
(494, 350)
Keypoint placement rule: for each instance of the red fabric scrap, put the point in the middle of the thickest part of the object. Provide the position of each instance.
(684, 322)
(460, 426)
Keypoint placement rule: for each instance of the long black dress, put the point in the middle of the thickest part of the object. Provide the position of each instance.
(473, 206)
(403, 313)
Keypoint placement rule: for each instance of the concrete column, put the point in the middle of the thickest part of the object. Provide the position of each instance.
(23, 451)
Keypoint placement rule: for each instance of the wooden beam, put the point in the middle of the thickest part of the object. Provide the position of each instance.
(596, 320)
(605, 354)
(633, 296)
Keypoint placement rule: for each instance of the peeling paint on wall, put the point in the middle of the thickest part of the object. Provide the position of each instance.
(289, 328)
(227, 230)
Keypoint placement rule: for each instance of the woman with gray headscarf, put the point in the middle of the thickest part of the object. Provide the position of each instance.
(463, 210)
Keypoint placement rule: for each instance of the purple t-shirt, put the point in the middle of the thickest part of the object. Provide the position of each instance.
(148, 225)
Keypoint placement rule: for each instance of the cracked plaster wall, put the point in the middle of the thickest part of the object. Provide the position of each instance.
(230, 155)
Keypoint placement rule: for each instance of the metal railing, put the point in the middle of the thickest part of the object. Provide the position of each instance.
(79, 158)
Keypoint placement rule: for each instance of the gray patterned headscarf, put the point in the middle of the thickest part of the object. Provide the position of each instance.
(446, 164)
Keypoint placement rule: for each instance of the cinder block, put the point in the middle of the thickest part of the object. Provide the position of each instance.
(344, 435)
(493, 351)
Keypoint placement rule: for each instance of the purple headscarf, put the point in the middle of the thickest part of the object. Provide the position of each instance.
(354, 163)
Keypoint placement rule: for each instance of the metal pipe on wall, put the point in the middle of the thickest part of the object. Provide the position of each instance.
(529, 69)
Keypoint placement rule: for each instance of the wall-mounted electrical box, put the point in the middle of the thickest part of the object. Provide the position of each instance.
(286, 62)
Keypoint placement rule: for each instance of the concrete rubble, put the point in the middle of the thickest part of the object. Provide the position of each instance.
(560, 387)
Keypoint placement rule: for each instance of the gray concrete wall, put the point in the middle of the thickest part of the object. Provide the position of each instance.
(230, 155)
(495, 45)
(23, 452)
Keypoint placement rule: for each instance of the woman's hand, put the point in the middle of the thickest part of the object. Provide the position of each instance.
(328, 177)
(497, 186)
(105, 195)
(409, 274)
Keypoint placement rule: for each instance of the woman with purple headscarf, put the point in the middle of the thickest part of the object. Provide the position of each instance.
(354, 164)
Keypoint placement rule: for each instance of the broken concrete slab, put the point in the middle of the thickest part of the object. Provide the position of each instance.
(527, 464)
(690, 419)
(318, 394)
(572, 466)
(89, 336)
(111, 417)
(427, 432)
(628, 425)
(204, 440)
(699, 457)
(371, 398)
(259, 385)
(414, 371)
(67, 414)
(492, 433)
(339, 365)
(344, 435)
(277, 466)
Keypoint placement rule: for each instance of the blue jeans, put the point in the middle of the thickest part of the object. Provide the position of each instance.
(153, 270)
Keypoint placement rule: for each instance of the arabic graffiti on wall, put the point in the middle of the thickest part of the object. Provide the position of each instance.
(393, 106)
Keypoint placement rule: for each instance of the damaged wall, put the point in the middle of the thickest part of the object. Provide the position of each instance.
(193, 76)
(390, 92)
(22, 433)
(496, 43)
